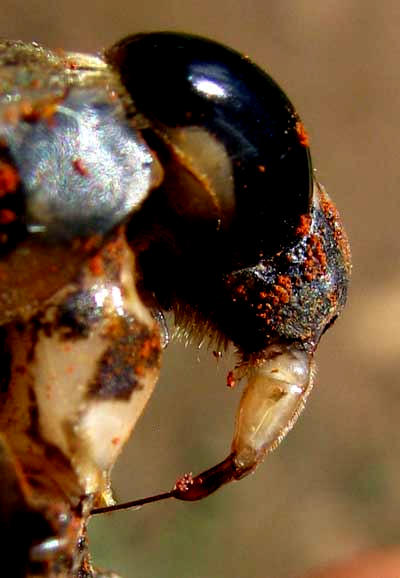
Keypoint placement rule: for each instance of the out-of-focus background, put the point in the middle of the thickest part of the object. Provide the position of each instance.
(333, 487)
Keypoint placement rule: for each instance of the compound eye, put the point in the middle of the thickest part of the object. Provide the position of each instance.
(202, 96)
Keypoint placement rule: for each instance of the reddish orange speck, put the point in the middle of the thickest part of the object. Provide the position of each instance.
(90, 243)
(35, 83)
(96, 265)
(9, 179)
(139, 370)
(11, 115)
(230, 379)
(282, 294)
(302, 133)
(72, 65)
(7, 217)
(304, 226)
(148, 347)
(284, 281)
(316, 261)
(80, 167)
(26, 110)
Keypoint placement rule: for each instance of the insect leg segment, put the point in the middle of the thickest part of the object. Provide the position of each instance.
(81, 372)
(273, 399)
(275, 395)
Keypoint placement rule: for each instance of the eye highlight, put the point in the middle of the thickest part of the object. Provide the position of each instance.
(208, 87)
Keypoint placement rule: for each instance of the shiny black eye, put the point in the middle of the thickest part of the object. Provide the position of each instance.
(186, 84)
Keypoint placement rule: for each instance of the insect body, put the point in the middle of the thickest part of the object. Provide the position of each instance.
(171, 175)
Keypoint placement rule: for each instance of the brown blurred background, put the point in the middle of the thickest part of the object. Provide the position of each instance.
(332, 488)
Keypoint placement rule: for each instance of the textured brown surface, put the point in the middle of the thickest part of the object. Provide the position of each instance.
(333, 487)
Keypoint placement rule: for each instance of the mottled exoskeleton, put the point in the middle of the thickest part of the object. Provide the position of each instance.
(171, 175)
